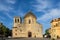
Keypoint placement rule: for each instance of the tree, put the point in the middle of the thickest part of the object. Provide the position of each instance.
(1, 32)
(5, 31)
(47, 33)
(8, 32)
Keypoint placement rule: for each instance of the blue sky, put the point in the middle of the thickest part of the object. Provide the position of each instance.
(45, 11)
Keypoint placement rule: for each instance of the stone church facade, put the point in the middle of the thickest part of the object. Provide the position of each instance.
(28, 28)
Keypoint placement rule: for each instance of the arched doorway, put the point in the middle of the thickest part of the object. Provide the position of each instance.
(29, 34)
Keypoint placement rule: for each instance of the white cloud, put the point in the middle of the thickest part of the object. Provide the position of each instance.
(11, 1)
(8, 15)
(51, 13)
(41, 5)
(5, 8)
(54, 13)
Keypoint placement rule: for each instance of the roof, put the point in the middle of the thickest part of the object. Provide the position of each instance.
(29, 14)
(55, 20)
(51, 21)
(58, 19)
(16, 16)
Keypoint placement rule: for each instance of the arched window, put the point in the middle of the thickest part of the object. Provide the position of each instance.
(15, 21)
(15, 33)
(15, 30)
(56, 24)
(18, 20)
(29, 21)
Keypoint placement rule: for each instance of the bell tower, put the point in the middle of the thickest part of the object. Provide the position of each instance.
(17, 20)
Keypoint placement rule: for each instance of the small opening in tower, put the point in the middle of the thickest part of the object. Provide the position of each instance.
(29, 21)
(15, 21)
(18, 20)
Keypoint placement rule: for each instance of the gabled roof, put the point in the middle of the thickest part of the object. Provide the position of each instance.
(29, 14)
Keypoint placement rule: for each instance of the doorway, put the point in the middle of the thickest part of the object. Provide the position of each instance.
(29, 34)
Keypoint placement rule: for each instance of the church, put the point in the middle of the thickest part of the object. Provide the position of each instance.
(28, 28)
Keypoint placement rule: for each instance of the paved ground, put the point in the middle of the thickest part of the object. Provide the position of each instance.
(26, 39)
(29, 39)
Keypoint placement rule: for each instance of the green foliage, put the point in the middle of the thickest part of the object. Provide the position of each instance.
(47, 33)
(5, 31)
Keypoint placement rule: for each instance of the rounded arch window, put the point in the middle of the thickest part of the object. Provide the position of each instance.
(18, 20)
(15, 20)
(29, 21)
(15, 33)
